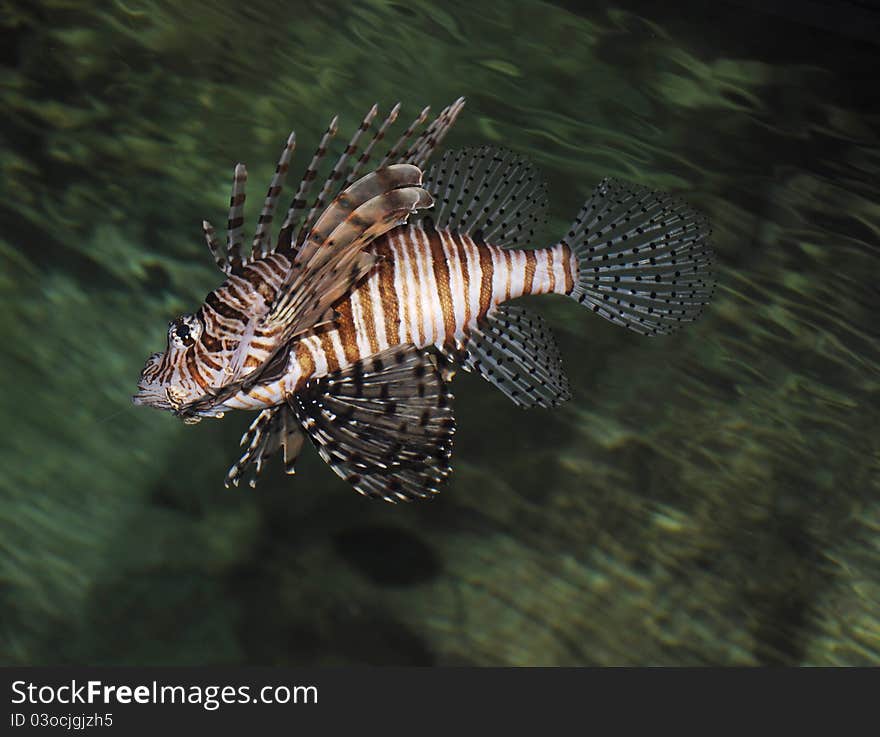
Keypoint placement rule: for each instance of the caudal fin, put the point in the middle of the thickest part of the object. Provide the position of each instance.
(643, 258)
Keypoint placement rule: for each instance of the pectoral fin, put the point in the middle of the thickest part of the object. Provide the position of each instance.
(385, 424)
(274, 429)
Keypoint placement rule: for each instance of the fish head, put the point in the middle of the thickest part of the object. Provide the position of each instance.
(176, 379)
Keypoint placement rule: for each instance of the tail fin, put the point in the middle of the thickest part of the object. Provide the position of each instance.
(643, 258)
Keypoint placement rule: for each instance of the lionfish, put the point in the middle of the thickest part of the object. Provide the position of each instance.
(347, 329)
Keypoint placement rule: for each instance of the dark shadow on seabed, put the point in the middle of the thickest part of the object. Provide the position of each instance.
(713, 497)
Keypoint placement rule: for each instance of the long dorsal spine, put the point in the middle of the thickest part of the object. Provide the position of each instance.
(336, 174)
(214, 246)
(393, 152)
(299, 199)
(236, 217)
(377, 137)
(261, 235)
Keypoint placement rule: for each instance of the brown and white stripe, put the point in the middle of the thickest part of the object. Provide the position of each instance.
(430, 287)
(297, 281)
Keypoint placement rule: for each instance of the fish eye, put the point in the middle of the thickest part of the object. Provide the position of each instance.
(184, 331)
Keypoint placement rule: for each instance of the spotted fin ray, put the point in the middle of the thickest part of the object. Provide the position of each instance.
(513, 348)
(489, 193)
(644, 261)
(498, 197)
(384, 424)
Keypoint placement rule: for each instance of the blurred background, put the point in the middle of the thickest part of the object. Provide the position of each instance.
(707, 498)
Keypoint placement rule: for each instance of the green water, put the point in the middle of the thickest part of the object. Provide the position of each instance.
(707, 498)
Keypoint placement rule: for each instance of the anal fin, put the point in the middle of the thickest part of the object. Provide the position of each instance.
(514, 349)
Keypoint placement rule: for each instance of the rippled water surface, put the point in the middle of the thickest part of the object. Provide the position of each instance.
(707, 498)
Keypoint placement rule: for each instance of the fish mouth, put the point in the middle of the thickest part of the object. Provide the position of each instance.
(161, 400)
(148, 398)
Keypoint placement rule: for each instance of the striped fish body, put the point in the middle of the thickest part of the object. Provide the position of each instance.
(339, 331)
(431, 287)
